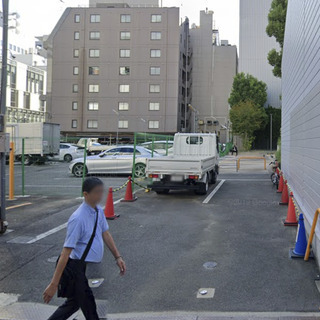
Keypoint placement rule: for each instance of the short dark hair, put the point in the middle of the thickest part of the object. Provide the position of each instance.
(90, 183)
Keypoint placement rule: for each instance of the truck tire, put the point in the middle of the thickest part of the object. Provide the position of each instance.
(213, 177)
(164, 191)
(203, 187)
(27, 160)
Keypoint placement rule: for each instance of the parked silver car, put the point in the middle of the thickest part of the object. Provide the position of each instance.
(115, 160)
(162, 147)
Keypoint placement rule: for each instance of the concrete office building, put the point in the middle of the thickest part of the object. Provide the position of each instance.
(115, 67)
(255, 44)
(301, 108)
(214, 67)
(129, 3)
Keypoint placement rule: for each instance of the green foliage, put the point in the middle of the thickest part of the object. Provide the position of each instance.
(246, 118)
(276, 28)
(246, 87)
(262, 136)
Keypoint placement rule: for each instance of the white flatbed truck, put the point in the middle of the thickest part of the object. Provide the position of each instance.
(194, 164)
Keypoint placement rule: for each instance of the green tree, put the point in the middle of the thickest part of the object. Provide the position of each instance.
(246, 118)
(247, 87)
(276, 28)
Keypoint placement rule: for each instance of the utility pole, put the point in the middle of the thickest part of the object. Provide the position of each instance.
(271, 132)
(3, 101)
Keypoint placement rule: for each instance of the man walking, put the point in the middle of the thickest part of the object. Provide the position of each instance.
(86, 232)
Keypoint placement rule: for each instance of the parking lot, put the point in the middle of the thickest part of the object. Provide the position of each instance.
(231, 242)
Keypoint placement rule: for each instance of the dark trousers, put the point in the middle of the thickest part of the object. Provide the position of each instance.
(83, 298)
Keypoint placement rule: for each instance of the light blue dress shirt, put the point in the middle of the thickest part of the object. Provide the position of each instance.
(79, 230)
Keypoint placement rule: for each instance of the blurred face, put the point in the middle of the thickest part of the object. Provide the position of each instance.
(95, 195)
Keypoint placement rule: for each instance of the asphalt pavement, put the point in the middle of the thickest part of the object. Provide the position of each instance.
(234, 247)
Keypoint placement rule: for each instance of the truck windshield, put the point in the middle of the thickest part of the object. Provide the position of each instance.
(194, 140)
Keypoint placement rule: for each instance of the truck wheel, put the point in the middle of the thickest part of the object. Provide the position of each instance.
(78, 170)
(164, 191)
(67, 158)
(203, 187)
(140, 170)
(213, 176)
(27, 160)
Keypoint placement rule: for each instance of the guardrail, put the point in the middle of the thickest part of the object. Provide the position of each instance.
(312, 231)
(251, 158)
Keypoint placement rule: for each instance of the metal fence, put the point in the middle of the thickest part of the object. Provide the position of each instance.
(35, 169)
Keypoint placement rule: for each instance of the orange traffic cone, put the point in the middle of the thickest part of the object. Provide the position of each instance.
(284, 196)
(291, 215)
(109, 208)
(280, 188)
(277, 171)
(129, 197)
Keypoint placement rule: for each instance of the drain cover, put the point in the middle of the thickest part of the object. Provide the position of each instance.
(210, 265)
(205, 293)
(95, 283)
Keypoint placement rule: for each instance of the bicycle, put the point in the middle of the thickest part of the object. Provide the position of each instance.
(274, 175)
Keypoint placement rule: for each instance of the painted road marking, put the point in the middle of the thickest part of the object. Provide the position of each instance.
(29, 240)
(214, 191)
(19, 205)
(259, 180)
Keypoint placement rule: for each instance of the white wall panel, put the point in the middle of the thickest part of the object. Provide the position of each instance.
(301, 107)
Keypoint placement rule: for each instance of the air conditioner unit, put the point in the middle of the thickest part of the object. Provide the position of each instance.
(201, 122)
(209, 122)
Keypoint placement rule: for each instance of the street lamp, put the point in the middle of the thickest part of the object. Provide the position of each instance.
(118, 114)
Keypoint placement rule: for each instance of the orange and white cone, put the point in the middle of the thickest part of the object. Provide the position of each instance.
(109, 208)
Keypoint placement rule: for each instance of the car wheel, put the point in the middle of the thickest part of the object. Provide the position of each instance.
(140, 170)
(67, 158)
(78, 170)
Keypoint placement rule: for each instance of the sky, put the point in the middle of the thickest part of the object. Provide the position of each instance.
(38, 17)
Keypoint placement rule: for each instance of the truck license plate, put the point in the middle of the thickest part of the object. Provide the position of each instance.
(176, 178)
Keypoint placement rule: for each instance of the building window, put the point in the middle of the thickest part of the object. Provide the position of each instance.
(125, 35)
(77, 18)
(75, 105)
(155, 71)
(74, 124)
(76, 53)
(154, 88)
(92, 124)
(153, 124)
(123, 124)
(154, 106)
(94, 53)
(93, 88)
(125, 18)
(93, 106)
(95, 18)
(75, 88)
(156, 18)
(124, 71)
(124, 88)
(75, 70)
(124, 53)
(94, 35)
(77, 35)
(155, 53)
(94, 71)
(155, 35)
(123, 106)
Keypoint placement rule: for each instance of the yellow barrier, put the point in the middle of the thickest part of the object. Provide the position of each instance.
(313, 228)
(11, 171)
(253, 158)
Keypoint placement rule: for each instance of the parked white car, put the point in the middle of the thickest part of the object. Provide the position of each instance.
(116, 160)
(69, 151)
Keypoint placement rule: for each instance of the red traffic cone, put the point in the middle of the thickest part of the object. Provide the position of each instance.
(280, 188)
(277, 171)
(109, 208)
(284, 196)
(129, 197)
(291, 215)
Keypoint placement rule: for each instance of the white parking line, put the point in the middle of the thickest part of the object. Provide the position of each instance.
(56, 229)
(214, 191)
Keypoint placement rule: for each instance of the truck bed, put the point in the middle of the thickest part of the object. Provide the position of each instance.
(175, 165)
